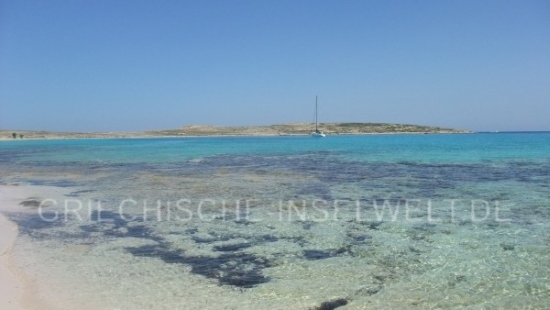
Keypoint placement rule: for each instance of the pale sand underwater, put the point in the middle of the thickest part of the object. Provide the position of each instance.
(60, 276)
(85, 274)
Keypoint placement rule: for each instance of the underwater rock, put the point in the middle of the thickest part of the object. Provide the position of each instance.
(78, 193)
(232, 247)
(331, 304)
(322, 254)
(369, 290)
(507, 246)
(30, 202)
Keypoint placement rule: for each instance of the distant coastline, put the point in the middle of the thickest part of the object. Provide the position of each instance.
(269, 130)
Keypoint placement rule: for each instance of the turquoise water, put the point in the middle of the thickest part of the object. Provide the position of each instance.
(375, 221)
(385, 148)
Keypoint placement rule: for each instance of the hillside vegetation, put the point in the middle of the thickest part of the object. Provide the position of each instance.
(304, 129)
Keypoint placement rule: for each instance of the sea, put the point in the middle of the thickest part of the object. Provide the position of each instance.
(397, 221)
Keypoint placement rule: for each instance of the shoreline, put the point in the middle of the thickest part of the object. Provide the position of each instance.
(12, 287)
(20, 290)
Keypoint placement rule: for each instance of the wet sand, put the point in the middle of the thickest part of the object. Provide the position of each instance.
(10, 285)
(19, 289)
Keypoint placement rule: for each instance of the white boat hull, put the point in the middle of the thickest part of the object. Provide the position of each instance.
(318, 134)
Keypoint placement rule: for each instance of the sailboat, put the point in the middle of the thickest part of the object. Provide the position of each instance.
(317, 133)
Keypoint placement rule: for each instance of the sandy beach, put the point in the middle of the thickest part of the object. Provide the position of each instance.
(10, 285)
(19, 289)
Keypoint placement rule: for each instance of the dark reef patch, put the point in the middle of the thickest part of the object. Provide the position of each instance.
(306, 225)
(316, 254)
(213, 238)
(331, 304)
(44, 226)
(28, 223)
(232, 247)
(323, 254)
(56, 183)
(78, 193)
(237, 269)
(114, 224)
(30, 202)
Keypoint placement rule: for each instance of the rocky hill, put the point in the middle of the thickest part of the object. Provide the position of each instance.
(304, 129)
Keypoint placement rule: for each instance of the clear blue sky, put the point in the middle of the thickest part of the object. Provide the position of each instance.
(138, 65)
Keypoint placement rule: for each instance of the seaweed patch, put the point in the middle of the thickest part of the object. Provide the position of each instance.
(320, 254)
(237, 269)
(331, 304)
(31, 202)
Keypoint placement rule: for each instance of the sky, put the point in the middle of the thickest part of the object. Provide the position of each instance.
(110, 65)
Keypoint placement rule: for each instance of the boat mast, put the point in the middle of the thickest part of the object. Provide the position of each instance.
(316, 130)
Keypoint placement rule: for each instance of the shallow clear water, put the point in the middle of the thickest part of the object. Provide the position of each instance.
(400, 221)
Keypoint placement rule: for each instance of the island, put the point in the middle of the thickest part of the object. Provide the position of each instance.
(268, 130)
